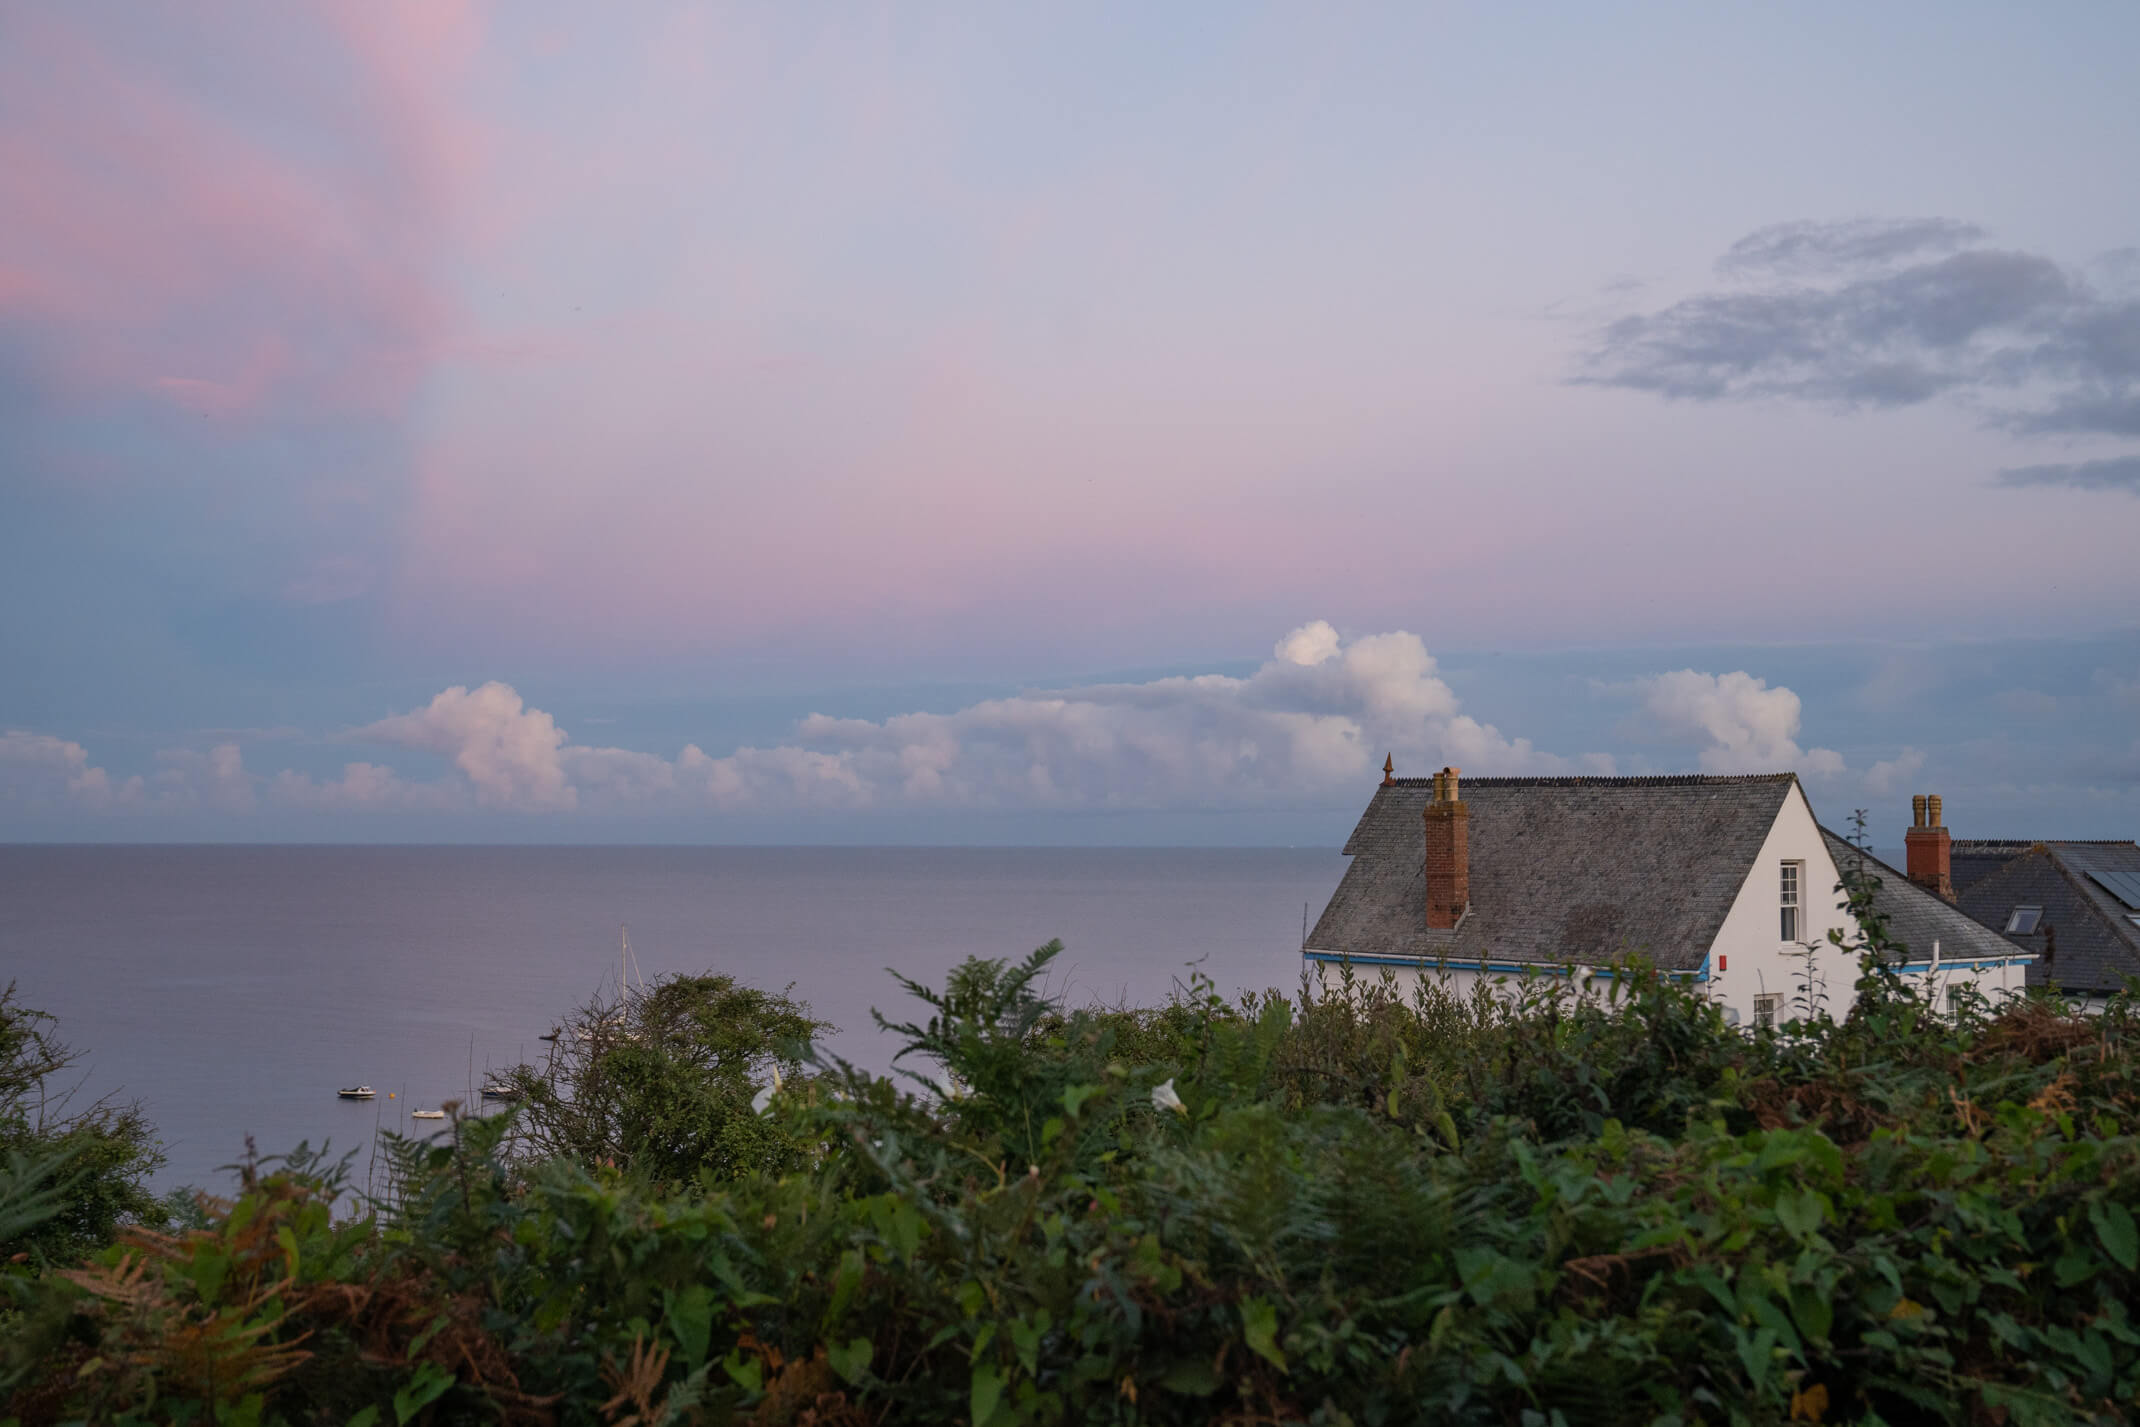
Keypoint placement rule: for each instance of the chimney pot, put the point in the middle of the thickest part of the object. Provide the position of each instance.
(1929, 849)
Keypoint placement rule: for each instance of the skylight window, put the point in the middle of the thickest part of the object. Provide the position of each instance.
(2023, 921)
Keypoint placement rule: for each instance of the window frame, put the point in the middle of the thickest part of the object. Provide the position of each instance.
(2013, 918)
(1768, 1009)
(1791, 899)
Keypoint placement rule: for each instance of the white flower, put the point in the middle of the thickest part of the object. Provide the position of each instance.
(1164, 1098)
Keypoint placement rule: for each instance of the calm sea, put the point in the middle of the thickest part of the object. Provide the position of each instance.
(232, 990)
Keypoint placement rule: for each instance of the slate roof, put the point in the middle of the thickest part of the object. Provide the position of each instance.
(1974, 859)
(2096, 946)
(1563, 870)
(1917, 919)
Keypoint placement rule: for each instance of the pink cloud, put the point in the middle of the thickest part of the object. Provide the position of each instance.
(365, 788)
(157, 242)
(215, 779)
(508, 752)
(41, 770)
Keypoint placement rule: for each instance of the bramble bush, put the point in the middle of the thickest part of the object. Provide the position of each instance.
(660, 1081)
(1345, 1206)
(69, 1173)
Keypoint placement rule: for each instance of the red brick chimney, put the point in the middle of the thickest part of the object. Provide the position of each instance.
(1448, 854)
(1931, 852)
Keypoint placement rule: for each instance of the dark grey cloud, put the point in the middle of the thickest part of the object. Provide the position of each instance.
(2118, 269)
(1808, 247)
(2115, 473)
(1873, 313)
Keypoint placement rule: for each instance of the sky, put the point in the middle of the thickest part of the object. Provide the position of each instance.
(434, 420)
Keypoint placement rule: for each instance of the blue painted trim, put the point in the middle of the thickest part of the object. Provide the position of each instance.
(1925, 968)
(1506, 968)
(1699, 974)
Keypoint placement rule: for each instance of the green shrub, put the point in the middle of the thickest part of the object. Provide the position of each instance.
(1346, 1206)
(658, 1082)
(68, 1176)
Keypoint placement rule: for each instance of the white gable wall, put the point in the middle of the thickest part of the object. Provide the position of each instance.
(1750, 957)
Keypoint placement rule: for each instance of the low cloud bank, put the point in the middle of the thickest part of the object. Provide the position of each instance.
(1315, 719)
(1309, 727)
(36, 767)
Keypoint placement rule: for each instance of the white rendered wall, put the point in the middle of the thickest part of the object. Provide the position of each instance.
(1993, 983)
(1461, 981)
(1750, 957)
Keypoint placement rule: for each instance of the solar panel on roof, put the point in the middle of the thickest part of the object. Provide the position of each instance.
(2123, 885)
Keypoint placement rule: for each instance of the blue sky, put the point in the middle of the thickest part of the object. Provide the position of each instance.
(1088, 424)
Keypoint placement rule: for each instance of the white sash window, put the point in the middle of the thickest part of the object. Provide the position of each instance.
(1793, 879)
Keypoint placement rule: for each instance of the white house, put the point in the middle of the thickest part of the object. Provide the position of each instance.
(1727, 881)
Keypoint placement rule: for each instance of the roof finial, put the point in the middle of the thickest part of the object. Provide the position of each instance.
(1389, 769)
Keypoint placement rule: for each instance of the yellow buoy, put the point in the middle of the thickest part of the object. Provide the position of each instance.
(389, 1094)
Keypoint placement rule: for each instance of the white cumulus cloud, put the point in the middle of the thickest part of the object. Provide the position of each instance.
(509, 753)
(1309, 727)
(215, 779)
(366, 787)
(39, 769)
(1740, 724)
(1310, 644)
(1313, 722)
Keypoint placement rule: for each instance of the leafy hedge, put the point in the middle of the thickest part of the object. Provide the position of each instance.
(70, 1173)
(1345, 1206)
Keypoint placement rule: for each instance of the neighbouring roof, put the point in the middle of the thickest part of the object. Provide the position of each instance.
(2085, 890)
(1562, 870)
(1919, 920)
(1972, 860)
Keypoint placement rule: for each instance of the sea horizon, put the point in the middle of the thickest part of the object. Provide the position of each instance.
(233, 988)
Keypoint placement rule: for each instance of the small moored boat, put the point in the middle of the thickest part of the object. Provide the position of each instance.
(356, 1092)
(427, 1114)
(495, 1091)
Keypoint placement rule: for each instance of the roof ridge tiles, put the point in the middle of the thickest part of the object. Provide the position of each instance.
(1590, 780)
(2026, 842)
